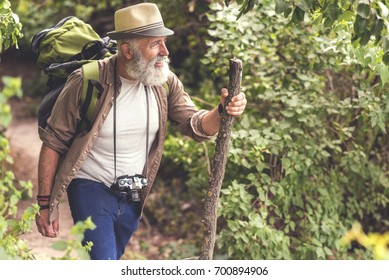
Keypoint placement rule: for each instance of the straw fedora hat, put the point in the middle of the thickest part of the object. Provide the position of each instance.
(141, 20)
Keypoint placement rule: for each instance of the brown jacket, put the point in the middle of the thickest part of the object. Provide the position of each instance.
(62, 136)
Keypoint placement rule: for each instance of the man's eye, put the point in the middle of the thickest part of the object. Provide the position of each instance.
(156, 44)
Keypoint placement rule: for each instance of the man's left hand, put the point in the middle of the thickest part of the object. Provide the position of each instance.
(237, 104)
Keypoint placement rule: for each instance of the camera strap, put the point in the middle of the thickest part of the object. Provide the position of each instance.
(114, 122)
(115, 78)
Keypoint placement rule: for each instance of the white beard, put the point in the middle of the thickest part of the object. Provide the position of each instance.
(138, 68)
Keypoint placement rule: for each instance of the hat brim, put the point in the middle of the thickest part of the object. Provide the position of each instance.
(155, 32)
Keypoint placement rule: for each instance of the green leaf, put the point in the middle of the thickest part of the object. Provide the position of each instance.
(14, 199)
(305, 5)
(377, 27)
(363, 10)
(328, 251)
(360, 25)
(281, 6)
(83, 253)
(245, 8)
(385, 44)
(287, 12)
(298, 15)
(60, 245)
(328, 22)
(333, 12)
(365, 38)
(384, 72)
(6, 4)
(347, 15)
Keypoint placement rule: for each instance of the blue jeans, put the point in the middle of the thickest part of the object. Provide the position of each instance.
(115, 218)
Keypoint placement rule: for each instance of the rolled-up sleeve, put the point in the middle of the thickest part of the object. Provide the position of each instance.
(196, 124)
(183, 113)
(63, 121)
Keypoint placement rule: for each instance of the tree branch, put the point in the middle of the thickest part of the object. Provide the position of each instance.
(219, 164)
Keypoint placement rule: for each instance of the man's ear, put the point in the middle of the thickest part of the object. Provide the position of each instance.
(127, 53)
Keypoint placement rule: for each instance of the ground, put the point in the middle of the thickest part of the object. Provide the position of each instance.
(25, 147)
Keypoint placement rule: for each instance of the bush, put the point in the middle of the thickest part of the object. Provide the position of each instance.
(307, 159)
(309, 156)
(11, 247)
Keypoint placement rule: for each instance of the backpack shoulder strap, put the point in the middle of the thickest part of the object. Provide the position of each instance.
(91, 92)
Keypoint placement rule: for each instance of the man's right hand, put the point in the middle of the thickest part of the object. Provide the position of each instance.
(47, 169)
(46, 228)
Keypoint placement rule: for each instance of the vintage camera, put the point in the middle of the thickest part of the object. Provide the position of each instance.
(130, 186)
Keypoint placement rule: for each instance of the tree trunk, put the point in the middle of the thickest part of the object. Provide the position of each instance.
(219, 165)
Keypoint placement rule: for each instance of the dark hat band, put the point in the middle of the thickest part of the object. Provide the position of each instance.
(152, 30)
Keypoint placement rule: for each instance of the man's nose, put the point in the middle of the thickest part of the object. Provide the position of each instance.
(163, 49)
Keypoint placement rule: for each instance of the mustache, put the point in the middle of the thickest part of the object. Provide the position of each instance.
(162, 58)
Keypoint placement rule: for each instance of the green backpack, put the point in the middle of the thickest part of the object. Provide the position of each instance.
(63, 48)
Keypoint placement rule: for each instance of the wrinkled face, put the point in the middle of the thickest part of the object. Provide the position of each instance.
(149, 62)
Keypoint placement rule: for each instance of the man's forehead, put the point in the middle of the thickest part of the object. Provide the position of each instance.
(148, 40)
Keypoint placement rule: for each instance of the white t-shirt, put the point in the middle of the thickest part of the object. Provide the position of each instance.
(131, 121)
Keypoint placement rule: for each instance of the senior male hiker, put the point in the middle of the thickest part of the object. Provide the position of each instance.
(109, 170)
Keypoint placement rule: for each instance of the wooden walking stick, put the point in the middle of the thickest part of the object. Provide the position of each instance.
(219, 165)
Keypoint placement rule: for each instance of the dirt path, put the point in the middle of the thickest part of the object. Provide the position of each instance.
(25, 147)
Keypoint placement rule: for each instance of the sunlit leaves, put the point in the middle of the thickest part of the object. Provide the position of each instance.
(369, 18)
(10, 27)
(12, 87)
(374, 242)
(11, 247)
(72, 247)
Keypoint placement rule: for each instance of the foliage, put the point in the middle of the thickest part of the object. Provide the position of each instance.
(12, 87)
(188, 20)
(11, 247)
(369, 18)
(359, 28)
(179, 250)
(10, 27)
(73, 248)
(375, 242)
(310, 166)
(309, 157)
